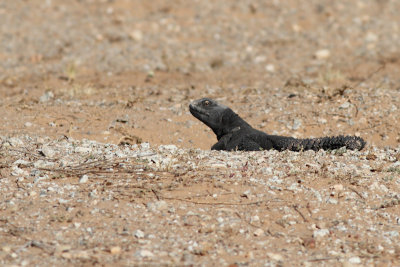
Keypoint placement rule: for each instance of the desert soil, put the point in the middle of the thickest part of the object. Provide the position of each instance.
(102, 164)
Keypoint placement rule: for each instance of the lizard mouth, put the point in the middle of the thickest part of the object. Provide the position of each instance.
(196, 111)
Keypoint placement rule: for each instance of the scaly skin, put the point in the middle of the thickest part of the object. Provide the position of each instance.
(233, 133)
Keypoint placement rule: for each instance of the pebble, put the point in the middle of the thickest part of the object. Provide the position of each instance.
(355, 260)
(322, 54)
(21, 162)
(371, 37)
(157, 206)
(15, 142)
(296, 124)
(145, 146)
(267, 170)
(115, 250)
(47, 96)
(258, 232)
(17, 171)
(84, 179)
(62, 248)
(48, 151)
(136, 35)
(320, 233)
(43, 164)
(218, 166)
(6, 249)
(138, 234)
(260, 59)
(345, 105)
(82, 150)
(170, 148)
(144, 253)
(254, 218)
(337, 187)
(270, 68)
(275, 256)
(246, 193)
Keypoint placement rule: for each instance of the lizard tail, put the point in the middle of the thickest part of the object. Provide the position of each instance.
(326, 143)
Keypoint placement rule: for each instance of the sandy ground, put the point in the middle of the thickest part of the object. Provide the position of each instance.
(123, 72)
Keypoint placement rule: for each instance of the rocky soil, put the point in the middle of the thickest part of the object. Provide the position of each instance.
(102, 164)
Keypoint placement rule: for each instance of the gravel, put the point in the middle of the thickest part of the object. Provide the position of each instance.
(178, 206)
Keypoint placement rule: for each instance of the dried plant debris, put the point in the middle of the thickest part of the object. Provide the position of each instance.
(86, 202)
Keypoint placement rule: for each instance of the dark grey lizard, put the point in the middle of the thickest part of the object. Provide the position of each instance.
(233, 133)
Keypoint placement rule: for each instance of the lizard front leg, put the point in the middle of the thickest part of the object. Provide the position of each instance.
(222, 142)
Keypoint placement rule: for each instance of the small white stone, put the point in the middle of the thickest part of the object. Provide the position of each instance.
(270, 68)
(247, 193)
(48, 151)
(84, 179)
(258, 232)
(322, 54)
(6, 249)
(332, 201)
(144, 145)
(115, 250)
(17, 171)
(320, 233)
(218, 166)
(275, 256)
(296, 27)
(136, 35)
(255, 218)
(15, 142)
(371, 37)
(22, 162)
(170, 148)
(43, 164)
(144, 253)
(158, 205)
(338, 187)
(344, 105)
(392, 233)
(355, 260)
(267, 170)
(296, 124)
(139, 233)
(384, 188)
(82, 150)
(28, 124)
(260, 59)
(46, 96)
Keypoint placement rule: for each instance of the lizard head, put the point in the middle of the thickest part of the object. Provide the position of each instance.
(221, 119)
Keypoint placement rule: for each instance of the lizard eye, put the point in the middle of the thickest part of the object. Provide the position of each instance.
(206, 103)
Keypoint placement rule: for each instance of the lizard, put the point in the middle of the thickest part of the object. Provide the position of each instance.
(234, 133)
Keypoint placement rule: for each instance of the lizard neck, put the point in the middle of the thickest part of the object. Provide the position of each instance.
(231, 123)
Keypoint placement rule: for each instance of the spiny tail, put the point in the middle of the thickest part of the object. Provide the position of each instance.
(326, 143)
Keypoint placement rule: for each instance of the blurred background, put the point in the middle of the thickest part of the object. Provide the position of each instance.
(289, 67)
